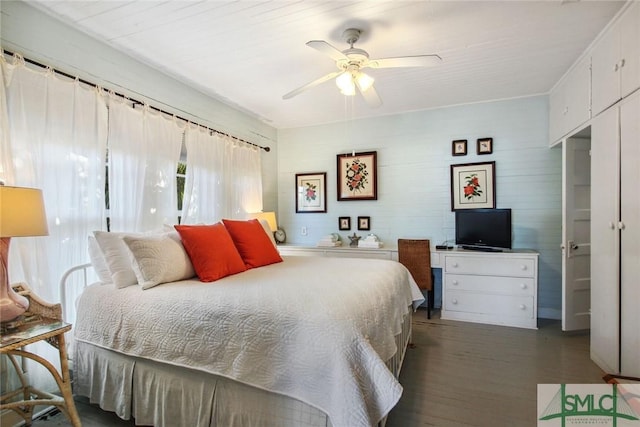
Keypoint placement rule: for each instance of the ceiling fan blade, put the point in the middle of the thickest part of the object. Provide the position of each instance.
(312, 84)
(324, 47)
(405, 61)
(370, 96)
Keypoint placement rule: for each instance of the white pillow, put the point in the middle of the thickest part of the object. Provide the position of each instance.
(98, 262)
(267, 230)
(117, 258)
(159, 259)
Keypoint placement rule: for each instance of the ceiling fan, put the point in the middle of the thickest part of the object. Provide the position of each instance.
(350, 63)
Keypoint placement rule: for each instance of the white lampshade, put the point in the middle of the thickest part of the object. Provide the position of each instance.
(270, 217)
(22, 212)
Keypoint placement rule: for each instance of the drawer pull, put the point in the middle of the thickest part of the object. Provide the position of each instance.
(454, 265)
(523, 286)
(454, 301)
(455, 283)
(523, 268)
(523, 307)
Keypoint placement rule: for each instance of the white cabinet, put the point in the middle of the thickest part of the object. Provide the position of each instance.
(570, 101)
(340, 251)
(615, 61)
(615, 238)
(498, 288)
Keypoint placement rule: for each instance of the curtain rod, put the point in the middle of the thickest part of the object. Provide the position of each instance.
(134, 101)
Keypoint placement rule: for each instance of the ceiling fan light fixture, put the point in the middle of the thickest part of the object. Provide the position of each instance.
(346, 84)
(364, 81)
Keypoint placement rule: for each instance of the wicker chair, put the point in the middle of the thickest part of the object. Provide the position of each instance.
(415, 254)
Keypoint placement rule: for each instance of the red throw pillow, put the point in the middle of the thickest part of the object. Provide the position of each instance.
(252, 242)
(211, 250)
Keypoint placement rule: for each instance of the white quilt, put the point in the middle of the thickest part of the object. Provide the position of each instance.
(312, 328)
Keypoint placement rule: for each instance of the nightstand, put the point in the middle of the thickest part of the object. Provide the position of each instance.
(42, 322)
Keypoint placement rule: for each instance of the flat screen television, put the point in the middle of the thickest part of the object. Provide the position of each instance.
(483, 229)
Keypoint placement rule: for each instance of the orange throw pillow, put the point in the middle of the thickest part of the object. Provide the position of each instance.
(252, 242)
(211, 250)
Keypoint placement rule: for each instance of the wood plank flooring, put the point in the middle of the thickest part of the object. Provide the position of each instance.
(462, 374)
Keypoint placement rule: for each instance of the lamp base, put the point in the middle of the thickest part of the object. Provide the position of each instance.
(12, 304)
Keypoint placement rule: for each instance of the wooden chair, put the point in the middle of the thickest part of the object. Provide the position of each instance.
(415, 254)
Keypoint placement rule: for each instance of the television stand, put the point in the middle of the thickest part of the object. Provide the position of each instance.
(480, 248)
(499, 288)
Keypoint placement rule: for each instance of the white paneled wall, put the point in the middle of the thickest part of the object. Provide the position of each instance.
(414, 158)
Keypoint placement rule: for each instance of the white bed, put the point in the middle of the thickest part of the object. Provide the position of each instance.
(305, 342)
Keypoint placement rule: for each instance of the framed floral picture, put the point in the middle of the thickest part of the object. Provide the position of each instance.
(357, 176)
(473, 185)
(311, 192)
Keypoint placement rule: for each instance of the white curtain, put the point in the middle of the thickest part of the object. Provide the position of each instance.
(223, 178)
(56, 140)
(144, 150)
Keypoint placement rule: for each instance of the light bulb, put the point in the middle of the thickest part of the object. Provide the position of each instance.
(345, 83)
(364, 81)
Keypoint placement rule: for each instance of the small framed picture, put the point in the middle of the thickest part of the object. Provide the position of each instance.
(459, 147)
(485, 146)
(344, 223)
(311, 192)
(364, 223)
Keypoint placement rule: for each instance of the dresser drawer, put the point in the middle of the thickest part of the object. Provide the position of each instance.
(497, 305)
(490, 266)
(357, 253)
(523, 286)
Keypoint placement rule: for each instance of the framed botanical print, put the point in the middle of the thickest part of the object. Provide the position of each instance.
(311, 192)
(473, 185)
(357, 176)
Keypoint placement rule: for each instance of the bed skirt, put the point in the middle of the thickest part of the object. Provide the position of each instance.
(159, 394)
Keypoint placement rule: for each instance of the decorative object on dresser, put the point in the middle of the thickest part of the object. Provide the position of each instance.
(344, 223)
(329, 241)
(364, 223)
(311, 192)
(484, 146)
(354, 240)
(22, 214)
(357, 176)
(473, 185)
(371, 241)
(459, 147)
(415, 254)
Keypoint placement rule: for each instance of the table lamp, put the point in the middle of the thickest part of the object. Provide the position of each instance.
(270, 217)
(21, 214)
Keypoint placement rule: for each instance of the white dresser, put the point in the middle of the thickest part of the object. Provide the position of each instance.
(499, 288)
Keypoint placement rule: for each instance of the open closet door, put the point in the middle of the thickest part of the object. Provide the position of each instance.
(576, 224)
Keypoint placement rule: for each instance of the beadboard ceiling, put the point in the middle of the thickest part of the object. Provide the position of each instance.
(248, 54)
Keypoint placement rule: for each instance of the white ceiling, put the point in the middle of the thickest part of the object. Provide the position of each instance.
(250, 53)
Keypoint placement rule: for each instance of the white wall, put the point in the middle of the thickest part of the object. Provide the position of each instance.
(414, 158)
